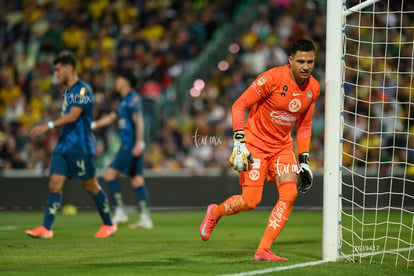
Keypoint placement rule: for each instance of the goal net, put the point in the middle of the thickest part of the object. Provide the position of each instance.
(377, 170)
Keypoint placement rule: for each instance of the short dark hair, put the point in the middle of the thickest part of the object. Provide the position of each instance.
(66, 58)
(128, 75)
(301, 45)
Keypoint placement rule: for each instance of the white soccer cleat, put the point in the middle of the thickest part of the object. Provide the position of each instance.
(120, 216)
(145, 222)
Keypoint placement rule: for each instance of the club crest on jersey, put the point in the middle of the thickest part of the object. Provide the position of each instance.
(261, 81)
(309, 95)
(295, 105)
(254, 175)
(121, 123)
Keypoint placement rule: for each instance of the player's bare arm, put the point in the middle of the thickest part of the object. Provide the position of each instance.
(138, 120)
(104, 121)
(68, 118)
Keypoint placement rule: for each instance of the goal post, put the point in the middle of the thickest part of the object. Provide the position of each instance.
(332, 151)
(368, 203)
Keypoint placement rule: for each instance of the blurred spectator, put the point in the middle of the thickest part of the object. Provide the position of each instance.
(151, 92)
(9, 90)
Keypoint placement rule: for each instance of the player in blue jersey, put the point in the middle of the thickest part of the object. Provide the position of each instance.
(73, 156)
(130, 157)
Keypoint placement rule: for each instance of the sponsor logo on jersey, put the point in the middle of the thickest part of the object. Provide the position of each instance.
(283, 118)
(254, 175)
(256, 163)
(261, 81)
(295, 105)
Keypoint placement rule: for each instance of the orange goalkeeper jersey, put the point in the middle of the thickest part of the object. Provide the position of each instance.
(276, 103)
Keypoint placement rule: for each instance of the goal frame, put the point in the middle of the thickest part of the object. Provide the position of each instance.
(332, 172)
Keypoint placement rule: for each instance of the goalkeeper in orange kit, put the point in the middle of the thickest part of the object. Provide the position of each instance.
(263, 145)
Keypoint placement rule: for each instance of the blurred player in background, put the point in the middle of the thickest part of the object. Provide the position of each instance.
(73, 156)
(263, 147)
(130, 157)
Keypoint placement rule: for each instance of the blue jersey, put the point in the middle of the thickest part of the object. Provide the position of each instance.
(128, 105)
(76, 138)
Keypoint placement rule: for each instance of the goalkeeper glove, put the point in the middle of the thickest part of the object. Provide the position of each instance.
(240, 156)
(305, 174)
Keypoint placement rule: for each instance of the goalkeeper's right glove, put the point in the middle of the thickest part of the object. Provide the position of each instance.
(240, 156)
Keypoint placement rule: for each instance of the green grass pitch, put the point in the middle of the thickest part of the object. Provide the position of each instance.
(173, 247)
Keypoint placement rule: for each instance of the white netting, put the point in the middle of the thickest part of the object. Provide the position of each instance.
(378, 132)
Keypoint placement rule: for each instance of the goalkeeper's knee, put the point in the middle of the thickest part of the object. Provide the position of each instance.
(288, 191)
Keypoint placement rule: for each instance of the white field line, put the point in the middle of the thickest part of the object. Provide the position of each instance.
(279, 268)
(8, 228)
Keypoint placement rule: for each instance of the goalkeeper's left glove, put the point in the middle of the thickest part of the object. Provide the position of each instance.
(305, 174)
(240, 156)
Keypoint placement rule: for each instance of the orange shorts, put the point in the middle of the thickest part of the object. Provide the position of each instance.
(265, 164)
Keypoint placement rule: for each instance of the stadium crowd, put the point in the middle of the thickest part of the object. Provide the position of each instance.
(156, 39)
(378, 132)
(152, 38)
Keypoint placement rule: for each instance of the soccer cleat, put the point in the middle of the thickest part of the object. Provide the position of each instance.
(145, 222)
(208, 224)
(106, 231)
(267, 255)
(40, 232)
(120, 216)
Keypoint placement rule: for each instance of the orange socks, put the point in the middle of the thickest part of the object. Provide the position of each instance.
(249, 199)
(230, 206)
(279, 215)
